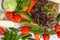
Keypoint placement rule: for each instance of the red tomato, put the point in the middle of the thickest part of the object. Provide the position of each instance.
(25, 30)
(17, 18)
(58, 34)
(46, 37)
(1, 31)
(9, 15)
(57, 27)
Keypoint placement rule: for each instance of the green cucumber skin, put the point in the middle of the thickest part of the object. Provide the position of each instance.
(58, 18)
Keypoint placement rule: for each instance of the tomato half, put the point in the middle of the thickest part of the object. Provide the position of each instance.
(57, 27)
(25, 30)
(17, 18)
(9, 15)
(1, 31)
(58, 34)
(46, 37)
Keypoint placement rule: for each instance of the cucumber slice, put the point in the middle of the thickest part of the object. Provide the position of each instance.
(7, 24)
(9, 5)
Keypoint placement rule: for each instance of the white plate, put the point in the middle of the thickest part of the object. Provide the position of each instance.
(52, 37)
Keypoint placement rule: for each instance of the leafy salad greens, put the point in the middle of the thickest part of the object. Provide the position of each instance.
(21, 4)
(36, 16)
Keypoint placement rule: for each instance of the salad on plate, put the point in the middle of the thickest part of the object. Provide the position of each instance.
(37, 17)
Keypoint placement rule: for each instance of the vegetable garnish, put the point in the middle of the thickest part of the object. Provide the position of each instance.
(37, 36)
(13, 35)
(28, 36)
(2, 16)
(17, 18)
(9, 15)
(32, 4)
(44, 14)
(9, 5)
(57, 27)
(25, 30)
(2, 31)
(36, 16)
(25, 9)
(6, 23)
(58, 34)
(21, 5)
(46, 37)
(24, 17)
(58, 18)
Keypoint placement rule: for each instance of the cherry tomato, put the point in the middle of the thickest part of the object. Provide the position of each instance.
(1, 31)
(25, 30)
(17, 18)
(57, 27)
(9, 15)
(46, 37)
(58, 34)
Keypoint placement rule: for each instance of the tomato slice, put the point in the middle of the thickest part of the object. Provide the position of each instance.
(46, 37)
(25, 30)
(1, 31)
(58, 34)
(9, 15)
(17, 18)
(57, 27)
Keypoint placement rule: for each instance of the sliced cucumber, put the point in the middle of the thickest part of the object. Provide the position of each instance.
(5, 23)
(9, 5)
